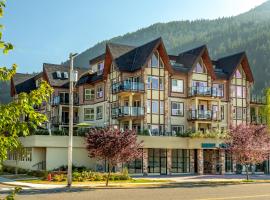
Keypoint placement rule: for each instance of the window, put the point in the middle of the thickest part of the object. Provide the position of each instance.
(155, 107)
(222, 112)
(199, 68)
(239, 91)
(180, 160)
(239, 113)
(238, 74)
(177, 85)
(24, 154)
(177, 129)
(218, 90)
(99, 112)
(161, 64)
(89, 94)
(177, 109)
(64, 97)
(154, 82)
(100, 91)
(154, 60)
(89, 114)
(100, 67)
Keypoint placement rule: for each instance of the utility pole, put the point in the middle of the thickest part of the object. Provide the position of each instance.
(70, 129)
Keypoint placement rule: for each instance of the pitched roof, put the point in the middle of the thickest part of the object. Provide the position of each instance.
(89, 78)
(137, 57)
(130, 58)
(227, 65)
(24, 82)
(185, 61)
(188, 58)
(51, 69)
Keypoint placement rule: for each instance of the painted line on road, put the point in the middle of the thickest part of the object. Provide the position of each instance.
(238, 197)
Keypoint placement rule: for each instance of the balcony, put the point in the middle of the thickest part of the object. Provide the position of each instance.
(204, 115)
(126, 111)
(205, 92)
(64, 121)
(127, 86)
(58, 100)
(257, 99)
(258, 119)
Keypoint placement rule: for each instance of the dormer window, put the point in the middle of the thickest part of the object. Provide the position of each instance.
(100, 67)
(65, 75)
(58, 74)
(199, 68)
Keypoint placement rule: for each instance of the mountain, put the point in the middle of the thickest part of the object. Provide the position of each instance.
(248, 32)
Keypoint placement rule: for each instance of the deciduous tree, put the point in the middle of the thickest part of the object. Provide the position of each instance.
(11, 124)
(114, 146)
(249, 144)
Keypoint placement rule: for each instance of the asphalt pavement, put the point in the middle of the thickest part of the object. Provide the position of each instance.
(254, 191)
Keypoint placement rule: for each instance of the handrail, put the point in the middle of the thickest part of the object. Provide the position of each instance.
(205, 91)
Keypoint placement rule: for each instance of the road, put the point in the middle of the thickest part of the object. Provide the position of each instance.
(173, 192)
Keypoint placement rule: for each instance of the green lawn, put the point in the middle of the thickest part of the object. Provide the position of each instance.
(98, 182)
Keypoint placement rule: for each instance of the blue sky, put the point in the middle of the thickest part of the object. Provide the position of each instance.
(48, 30)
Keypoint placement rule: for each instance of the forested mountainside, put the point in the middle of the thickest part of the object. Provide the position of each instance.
(248, 32)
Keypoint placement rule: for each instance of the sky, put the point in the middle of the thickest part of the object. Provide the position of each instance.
(48, 30)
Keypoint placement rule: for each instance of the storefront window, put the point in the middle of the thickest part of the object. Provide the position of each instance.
(180, 160)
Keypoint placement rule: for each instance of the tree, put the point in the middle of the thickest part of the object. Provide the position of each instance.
(114, 146)
(11, 124)
(248, 144)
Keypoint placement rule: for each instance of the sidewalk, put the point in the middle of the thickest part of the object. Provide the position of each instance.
(171, 179)
(10, 182)
(204, 178)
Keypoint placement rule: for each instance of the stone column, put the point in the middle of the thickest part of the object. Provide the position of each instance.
(222, 161)
(169, 161)
(145, 162)
(191, 161)
(200, 161)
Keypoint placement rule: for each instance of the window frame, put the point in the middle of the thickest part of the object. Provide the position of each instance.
(91, 94)
(97, 113)
(182, 88)
(183, 109)
(98, 92)
(89, 114)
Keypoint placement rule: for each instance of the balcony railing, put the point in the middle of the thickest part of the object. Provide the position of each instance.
(126, 111)
(203, 115)
(64, 101)
(64, 121)
(127, 86)
(258, 99)
(258, 119)
(205, 91)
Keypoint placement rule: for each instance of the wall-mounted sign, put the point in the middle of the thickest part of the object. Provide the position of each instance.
(208, 145)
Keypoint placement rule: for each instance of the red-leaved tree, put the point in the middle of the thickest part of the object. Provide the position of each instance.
(114, 146)
(249, 144)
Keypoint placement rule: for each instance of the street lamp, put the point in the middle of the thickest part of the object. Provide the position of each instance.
(73, 76)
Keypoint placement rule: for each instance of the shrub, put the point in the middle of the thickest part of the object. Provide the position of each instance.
(59, 178)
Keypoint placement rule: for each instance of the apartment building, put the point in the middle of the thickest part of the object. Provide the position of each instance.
(164, 97)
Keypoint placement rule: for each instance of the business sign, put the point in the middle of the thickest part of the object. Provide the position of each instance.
(208, 145)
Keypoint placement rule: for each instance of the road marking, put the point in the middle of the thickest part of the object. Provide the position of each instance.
(238, 197)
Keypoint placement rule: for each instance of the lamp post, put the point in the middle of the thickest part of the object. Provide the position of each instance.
(72, 79)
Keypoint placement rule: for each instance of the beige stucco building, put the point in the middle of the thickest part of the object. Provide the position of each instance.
(166, 98)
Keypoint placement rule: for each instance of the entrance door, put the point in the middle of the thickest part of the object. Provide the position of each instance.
(207, 161)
